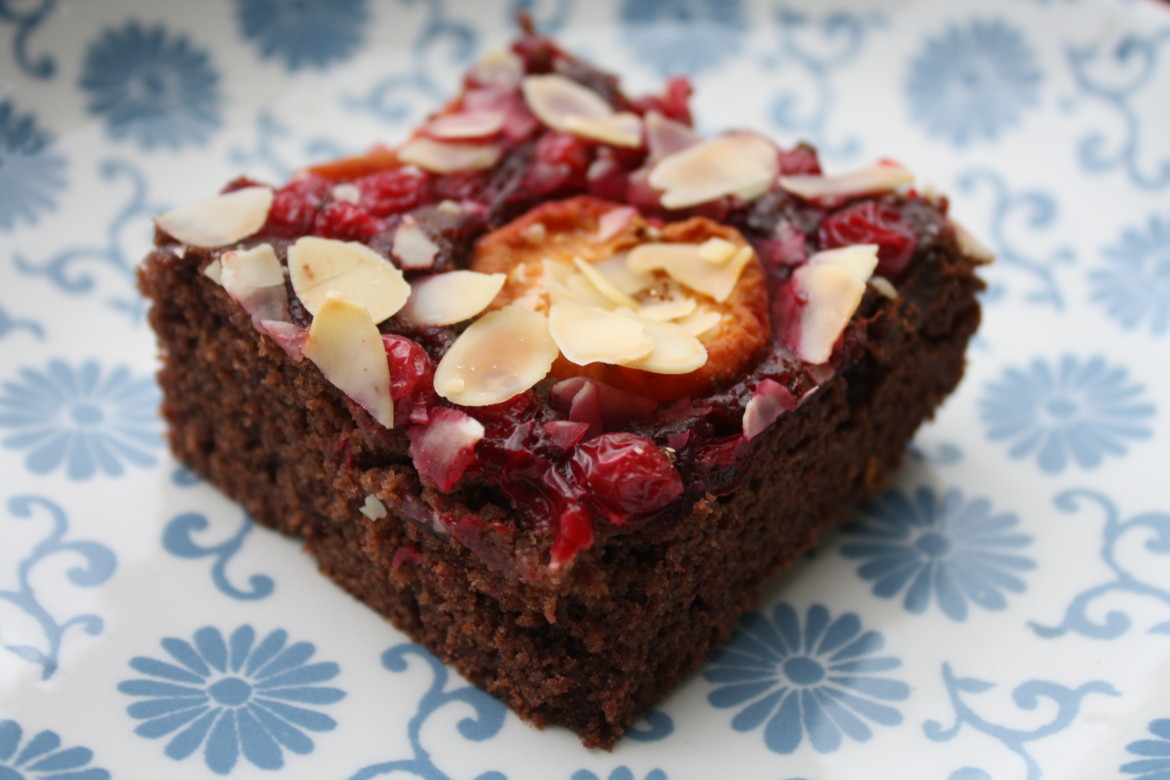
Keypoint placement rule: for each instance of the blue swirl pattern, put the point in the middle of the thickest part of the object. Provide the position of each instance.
(683, 36)
(178, 541)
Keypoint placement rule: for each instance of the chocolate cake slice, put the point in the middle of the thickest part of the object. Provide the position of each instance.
(556, 385)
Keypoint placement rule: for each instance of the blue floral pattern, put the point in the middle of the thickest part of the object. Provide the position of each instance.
(973, 81)
(83, 418)
(1075, 410)
(304, 33)
(32, 172)
(1135, 287)
(233, 695)
(820, 679)
(151, 87)
(683, 36)
(1154, 761)
(954, 551)
(42, 757)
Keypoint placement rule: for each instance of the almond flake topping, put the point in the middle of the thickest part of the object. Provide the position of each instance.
(833, 283)
(971, 246)
(444, 299)
(587, 334)
(345, 344)
(219, 221)
(373, 508)
(444, 157)
(716, 250)
(603, 285)
(670, 309)
(621, 129)
(255, 280)
(466, 124)
(685, 264)
(675, 351)
(319, 266)
(498, 68)
(412, 247)
(742, 164)
(873, 180)
(501, 354)
(570, 107)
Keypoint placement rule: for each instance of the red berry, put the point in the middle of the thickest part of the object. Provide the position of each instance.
(627, 473)
(870, 222)
(672, 104)
(561, 161)
(800, 159)
(391, 192)
(291, 215)
(412, 379)
(346, 222)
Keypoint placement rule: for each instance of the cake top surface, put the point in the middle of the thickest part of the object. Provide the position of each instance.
(566, 293)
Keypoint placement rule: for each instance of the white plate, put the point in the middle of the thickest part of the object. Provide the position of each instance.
(1002, 612)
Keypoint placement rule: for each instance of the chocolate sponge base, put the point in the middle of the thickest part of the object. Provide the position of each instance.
(599, 642)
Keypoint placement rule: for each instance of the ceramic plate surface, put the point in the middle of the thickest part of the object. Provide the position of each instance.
(1001, 611)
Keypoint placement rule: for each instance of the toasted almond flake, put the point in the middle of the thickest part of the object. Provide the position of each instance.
(373, 508)
(562, 284)
(219, 221)
(555, 98)
(675, 351)
(884, 286)
(768, 402)
(621, 129)
(871, 180)
(498, 68)
(971, 246)
(616, 270)
(615, 221)
(255, 280)
(604, 285)
(672, 309)
(318, 266)
(214, 271)
(346, 192)
(345, 344)
(860, 260)
(536, 233)
(466, 124)
(700, 323)
(412, 247)
(833, 293)
(587, 334)
(683, 263)
(741, 164)
(450, 207)
(444, 299)
(583, 291)
(444, 157)
(665, 136)
(500, 355)
(717, 250)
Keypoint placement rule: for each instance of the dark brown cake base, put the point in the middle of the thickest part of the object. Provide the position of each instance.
(597, 644)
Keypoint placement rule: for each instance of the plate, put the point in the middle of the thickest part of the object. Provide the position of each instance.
(1001, 611)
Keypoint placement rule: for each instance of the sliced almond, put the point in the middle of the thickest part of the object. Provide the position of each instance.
(603, 285)
(555, 99)
(466, 124)
(373, 508)
(219, 221)
(700, 323)
(685, 264)
(614, 221)
(675, 351)
(345, 344)
(214, 271)
(717, 250)
(498, 68)
(972, 247)
(587, 334)
(255, 280)
(412, 247)
(444, 157)
(665, 136)
(444, 299)
(872, 180)
(767, 403)
(833, 283)
(742, 164)
(860, 260)
(621, 129)
(884, 287)
(319, 266)
(500, 355)
(668, 310)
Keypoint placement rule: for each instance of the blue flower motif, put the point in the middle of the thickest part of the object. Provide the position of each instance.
(81, 418)
(313, 33)
(1135, 288)
(233, 695)
(152, 87)
(957, 551)
(973, 81)
(42, 757)
(818, 678)
(31, 171)
(1074, 410)
(684, 36)
(1155, 761)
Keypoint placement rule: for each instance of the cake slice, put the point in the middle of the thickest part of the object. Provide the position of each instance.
(556, 385)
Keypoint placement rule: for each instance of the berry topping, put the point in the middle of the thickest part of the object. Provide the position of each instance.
(346, 222)
(871, 222)
(627, 473)
(390, 192)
